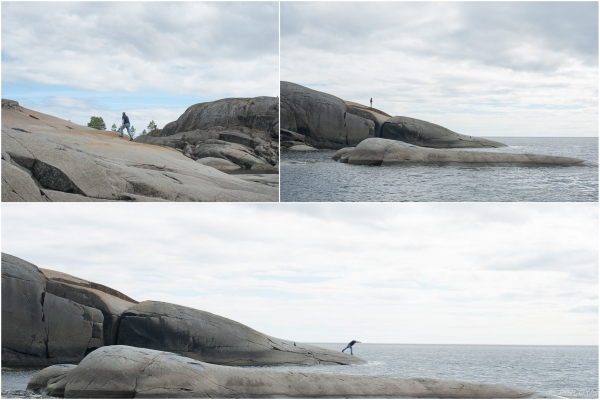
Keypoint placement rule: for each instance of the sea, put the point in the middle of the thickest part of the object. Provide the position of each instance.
(314, 177)
(566, 371)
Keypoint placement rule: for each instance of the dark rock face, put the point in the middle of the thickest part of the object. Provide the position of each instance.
(426, 134)
(214, 339)
(48, 321)
(127, 372)
(225, 129)
(326, 121)
(49, 317)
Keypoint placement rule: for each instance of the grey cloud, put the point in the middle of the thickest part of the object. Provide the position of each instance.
(485, 32)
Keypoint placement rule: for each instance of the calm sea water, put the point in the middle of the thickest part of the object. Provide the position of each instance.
(314, 176)
(568, 371)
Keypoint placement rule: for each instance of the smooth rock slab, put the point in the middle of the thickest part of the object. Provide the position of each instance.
(215, 339)
(391, 152)
(126, 372)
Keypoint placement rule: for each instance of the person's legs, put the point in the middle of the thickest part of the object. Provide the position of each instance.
(347, 348)
(128, 131)
(351, 353)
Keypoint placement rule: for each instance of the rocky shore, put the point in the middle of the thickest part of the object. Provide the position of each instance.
(49, 317)
(126, 372)
(45, 158)
(321, 120)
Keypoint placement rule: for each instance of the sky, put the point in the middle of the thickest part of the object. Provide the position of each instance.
(454, 273)
(150, 59)
(478, 68)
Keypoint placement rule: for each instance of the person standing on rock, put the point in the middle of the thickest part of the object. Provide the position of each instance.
(371, 102)
(125, 124)
(352, 343)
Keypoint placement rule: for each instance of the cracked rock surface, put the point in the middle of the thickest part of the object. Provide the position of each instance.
(126, 372)
(215, 339)
(391, 152)
(328, 122)
(241, 131)
(45, 158)
(53, 318)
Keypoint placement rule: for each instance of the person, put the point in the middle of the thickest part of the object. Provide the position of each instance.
(352, 343)
(371, 102)
(125, 124)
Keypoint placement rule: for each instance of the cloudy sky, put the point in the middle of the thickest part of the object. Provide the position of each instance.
(152, 59)
(479, 68)
(396, 273)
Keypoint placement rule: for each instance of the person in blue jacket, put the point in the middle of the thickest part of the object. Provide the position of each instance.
(352, 343)
(125, 124)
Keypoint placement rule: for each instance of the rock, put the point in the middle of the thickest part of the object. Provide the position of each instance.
(9, 103)
(250, 126)
(109, 302)
(321, 118)
(39, 328)
(259, 113)
(215, 339)
(86, 164)
(219, 163)
(48, 376)
(301, 147)
(49, 317)
(390, 152)
(23, 333)
(236, 153)
(267, 179)
(127, 372)
(426, 134)
(326, 121)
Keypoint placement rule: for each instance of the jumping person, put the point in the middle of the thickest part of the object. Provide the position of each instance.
(352, 343)
(125, 124)
(371, 107)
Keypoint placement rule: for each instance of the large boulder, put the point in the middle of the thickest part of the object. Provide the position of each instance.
(39, 328)
(49, 317)
(391, 152)
(258, 113)
(248, 125)
(326, 121)
(127, 372)
(215, 339)
(45, 158)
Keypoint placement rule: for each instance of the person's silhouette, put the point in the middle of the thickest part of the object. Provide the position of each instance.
(352, 343)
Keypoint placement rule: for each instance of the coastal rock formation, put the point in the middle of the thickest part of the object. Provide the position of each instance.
(244, 131)
(49, 317)
(127, 372)
(214, 339)
(326, 121)
(391, 152)
(49, 159)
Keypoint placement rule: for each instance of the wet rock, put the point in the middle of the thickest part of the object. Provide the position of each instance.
(48, 376)
(127, 372)
(391, 152)
(215, 339)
